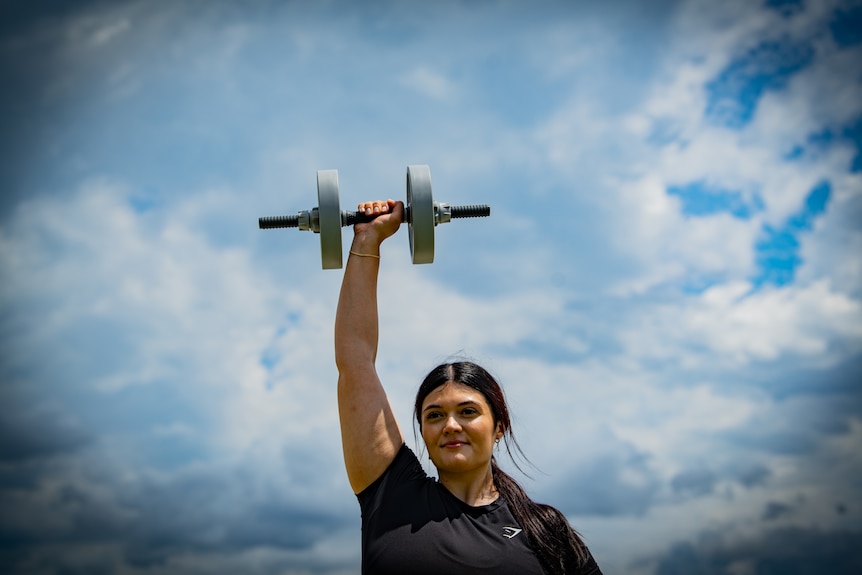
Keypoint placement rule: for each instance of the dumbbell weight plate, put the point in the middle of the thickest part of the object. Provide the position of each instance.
(329, 213)
(421, 217)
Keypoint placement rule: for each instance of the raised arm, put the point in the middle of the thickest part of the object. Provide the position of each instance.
(370, 436)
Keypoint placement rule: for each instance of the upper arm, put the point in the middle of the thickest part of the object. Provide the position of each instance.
(370, 435)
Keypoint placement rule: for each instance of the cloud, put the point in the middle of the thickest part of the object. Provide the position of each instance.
(168, 379)
(776, 551)
(621, 482)
(729, 323)
(734, 93)
(695, 482)
(39, 433)
(748, 158)
(429, 83)
(145, 287)
(122, 521)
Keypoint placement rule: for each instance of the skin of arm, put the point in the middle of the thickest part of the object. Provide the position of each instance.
(370, 435)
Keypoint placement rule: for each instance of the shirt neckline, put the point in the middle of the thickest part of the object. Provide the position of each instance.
(472, 509)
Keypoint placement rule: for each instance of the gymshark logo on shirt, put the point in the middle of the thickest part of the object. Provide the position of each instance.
(510, 532)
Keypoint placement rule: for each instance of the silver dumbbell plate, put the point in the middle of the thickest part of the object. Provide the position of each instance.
(421, 219)
(329, 211)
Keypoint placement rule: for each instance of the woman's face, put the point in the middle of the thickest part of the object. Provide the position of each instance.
(458, 428)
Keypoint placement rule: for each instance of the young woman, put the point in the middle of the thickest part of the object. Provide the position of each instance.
(474, 518)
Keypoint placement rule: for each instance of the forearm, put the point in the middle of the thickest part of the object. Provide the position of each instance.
(356, 319)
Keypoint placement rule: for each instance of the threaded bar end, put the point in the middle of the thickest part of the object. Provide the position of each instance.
(271, 222)
(477, 211)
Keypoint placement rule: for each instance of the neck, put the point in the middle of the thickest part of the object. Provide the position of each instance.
(474, 488)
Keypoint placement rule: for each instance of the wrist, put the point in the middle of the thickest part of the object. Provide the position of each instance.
(363, 245)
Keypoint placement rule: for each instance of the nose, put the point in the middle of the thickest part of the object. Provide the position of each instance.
(452, 425)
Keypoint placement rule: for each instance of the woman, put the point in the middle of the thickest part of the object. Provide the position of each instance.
(474, 518)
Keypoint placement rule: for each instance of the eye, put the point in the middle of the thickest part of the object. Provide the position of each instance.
(432, 415)
(469, 411)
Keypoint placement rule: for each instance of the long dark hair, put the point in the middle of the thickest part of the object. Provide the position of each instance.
(558, 547)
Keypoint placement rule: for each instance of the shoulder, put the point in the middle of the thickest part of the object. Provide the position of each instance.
(404, 467)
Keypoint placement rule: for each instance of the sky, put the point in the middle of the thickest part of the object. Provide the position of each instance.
(669, 286)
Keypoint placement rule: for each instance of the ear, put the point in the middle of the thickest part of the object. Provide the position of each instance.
(500, 431)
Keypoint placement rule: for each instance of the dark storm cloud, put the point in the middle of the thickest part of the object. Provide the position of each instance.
(604, 486)
(30, 61)
(148, 520)
(802, 428)
(696, 482)
(753, 476)
(775, 510)
(35, 434)
(791, 551)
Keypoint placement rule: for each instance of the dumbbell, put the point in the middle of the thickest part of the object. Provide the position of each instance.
(421, 213)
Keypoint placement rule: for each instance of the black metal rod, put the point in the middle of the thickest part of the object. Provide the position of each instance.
(351, 218)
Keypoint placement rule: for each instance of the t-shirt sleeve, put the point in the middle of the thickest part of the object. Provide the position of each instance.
(405, 467)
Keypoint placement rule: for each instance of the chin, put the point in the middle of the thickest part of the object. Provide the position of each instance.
(454, 463)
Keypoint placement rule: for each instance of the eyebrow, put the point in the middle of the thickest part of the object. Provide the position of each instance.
(463, 403)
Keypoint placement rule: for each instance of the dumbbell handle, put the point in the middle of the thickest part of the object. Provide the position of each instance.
(478, 211)
(351, 218)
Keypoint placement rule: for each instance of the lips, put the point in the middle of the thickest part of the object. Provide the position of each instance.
(454, 444)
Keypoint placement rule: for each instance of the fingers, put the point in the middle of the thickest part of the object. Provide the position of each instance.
(383, 219)
(376, 207)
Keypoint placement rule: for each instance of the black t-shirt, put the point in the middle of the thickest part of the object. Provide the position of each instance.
(412, 524)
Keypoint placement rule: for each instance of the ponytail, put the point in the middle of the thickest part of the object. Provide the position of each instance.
(558, 547)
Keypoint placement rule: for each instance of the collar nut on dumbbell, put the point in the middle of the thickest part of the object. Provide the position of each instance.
(305, 220)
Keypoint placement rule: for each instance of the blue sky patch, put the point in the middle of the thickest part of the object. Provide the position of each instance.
(853, 133)
(778, 248)
(846, 26)
(777, 256)
(700, 199)
(815, 204)
(145, 202)
(269, 359)
(699, 283)
(733, 95)
(815, 143)
(821, 139)
(785, 7)
(795, 153)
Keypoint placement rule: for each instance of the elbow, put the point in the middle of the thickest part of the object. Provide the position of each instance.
(347, 361)
(341, 363)
(353, 369)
